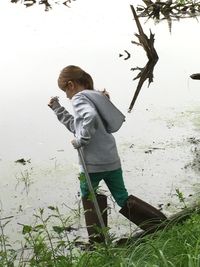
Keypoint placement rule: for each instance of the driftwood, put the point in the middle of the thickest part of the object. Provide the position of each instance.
(177, 218)
(148, 45)
(183, 215)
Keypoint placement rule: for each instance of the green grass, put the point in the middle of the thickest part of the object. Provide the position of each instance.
(48, 245)
(177, 246)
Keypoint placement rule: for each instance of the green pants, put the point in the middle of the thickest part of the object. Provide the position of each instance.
(114, 181)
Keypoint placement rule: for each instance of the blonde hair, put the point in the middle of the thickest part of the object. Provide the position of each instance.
(75, 74)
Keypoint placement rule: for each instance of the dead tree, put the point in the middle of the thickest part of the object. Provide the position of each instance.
(146, 73)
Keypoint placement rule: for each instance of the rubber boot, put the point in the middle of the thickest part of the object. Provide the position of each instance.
(143, 214)
(91, 218)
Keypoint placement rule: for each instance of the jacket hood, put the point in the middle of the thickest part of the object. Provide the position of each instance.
(110, 115)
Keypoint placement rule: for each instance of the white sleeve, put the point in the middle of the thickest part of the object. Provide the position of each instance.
(65, 118)
(86, 124)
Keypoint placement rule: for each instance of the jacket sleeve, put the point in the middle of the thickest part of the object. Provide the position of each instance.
(65, 118)
(86, 116)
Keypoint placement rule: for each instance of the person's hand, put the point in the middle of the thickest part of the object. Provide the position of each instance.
(54, 102)
(75, 143)
(104, 92)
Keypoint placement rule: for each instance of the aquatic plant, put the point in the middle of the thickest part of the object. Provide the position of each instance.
(181, 197)
(25, 178)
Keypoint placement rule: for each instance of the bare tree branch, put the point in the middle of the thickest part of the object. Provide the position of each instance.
(147, 71)
(47, 3)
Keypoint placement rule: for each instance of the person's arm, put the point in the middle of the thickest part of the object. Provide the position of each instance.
(62, 114)
(88, 121)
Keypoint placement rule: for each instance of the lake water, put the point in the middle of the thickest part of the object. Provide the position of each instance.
(154, 143)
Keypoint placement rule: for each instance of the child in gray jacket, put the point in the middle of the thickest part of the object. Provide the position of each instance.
(90, 129)
(94, 120)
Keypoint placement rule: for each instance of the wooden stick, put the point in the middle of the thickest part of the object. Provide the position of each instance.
(94, 199)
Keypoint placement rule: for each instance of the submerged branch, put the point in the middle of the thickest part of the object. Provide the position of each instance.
(169, 10)
(147, 71)
(47, 3)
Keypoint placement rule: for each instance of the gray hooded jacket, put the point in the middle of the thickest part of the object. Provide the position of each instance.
(95, 118)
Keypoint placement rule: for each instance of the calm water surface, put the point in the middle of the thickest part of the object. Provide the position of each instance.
(154, 143)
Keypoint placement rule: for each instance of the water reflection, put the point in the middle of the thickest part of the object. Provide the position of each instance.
(46, 3)
(33, 51)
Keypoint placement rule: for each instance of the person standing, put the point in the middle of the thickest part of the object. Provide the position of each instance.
(94, 120)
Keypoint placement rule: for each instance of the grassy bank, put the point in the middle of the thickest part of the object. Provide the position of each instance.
(47, 245)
